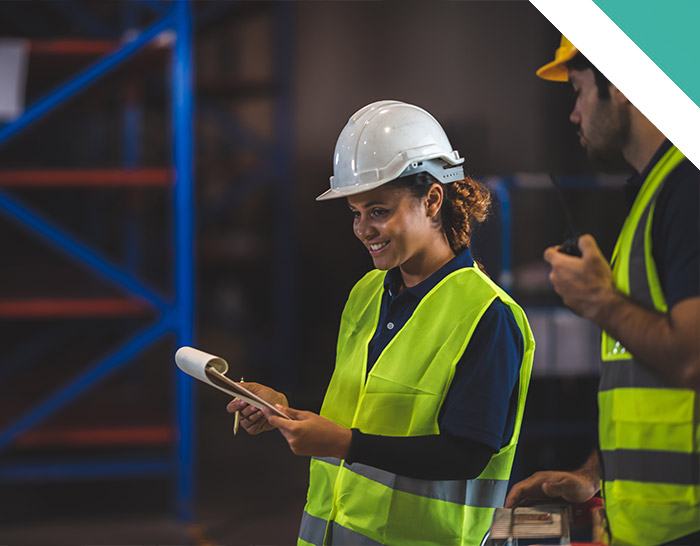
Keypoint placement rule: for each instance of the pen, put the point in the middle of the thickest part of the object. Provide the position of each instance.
(237, 419)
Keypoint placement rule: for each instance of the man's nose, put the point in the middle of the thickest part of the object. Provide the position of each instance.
(575, 115)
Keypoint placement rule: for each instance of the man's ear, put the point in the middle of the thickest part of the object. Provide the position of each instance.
(617, 95)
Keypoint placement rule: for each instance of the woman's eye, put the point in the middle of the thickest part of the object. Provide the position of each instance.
(355, 214)
(378, 212)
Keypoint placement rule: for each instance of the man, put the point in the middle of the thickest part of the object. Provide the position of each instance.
(648, 306)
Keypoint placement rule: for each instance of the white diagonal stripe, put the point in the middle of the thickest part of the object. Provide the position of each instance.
(629, 69)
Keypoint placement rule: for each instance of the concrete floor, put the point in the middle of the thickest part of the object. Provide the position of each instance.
(265, 528)
(250, 491)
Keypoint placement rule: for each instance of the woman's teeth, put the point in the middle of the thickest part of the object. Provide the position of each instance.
(377, 246)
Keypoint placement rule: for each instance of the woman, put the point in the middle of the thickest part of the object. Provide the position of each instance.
(415, 440)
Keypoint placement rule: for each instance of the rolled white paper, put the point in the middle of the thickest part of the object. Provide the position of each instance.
(194, 362)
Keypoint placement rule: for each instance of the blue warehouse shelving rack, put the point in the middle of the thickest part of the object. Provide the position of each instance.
(97, 283)
(40, 326)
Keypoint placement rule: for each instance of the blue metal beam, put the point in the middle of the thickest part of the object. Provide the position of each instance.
(89, 378)
(82, 80)
(183, 149)
(178, 318)
(83, 470)
(52, 234)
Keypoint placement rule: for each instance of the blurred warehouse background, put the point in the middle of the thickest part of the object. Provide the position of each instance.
(100, 441)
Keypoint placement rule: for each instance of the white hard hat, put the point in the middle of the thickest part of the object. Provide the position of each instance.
(386, 140)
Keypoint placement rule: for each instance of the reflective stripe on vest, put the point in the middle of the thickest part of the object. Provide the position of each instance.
(359, 504)
(313, 531)
(652, 466)
(648, 429)
(481, 493)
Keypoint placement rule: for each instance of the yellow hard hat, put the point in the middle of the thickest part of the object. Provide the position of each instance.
(556, 70)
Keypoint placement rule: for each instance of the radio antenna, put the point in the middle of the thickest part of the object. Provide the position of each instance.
(570, 245)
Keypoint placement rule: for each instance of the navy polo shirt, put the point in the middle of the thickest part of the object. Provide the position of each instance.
(482, 399)
(675, 228)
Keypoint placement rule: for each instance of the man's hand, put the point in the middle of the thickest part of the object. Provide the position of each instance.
(252, 419)
(665, 343)
(585, 284)
(570, 486)
(311, 434)
(576, 487)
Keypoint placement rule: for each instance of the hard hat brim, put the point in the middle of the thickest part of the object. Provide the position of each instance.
(556, 70)
(335, 193)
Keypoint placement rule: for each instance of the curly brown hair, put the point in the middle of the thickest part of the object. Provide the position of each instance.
(466, 204)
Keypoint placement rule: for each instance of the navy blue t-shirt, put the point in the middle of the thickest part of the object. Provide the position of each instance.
(482, 399)
(675, 228)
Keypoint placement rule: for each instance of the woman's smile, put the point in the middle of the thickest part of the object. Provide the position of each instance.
(376, 248)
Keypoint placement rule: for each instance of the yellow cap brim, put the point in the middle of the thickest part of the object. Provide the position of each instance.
(557, 71)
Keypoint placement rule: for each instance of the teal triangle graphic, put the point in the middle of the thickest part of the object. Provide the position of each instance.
(667, 31)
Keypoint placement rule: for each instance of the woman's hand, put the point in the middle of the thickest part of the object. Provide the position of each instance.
(311, 434)
(252, 419)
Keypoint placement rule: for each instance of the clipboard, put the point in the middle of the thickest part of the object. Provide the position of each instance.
(211, 369)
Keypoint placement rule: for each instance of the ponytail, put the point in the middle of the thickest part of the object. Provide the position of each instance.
(466, 203)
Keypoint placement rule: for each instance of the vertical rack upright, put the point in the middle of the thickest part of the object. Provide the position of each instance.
(174, 313)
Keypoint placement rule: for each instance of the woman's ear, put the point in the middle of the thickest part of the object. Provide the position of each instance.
(433, 200)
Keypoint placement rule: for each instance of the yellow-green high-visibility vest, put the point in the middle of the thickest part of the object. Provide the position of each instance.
(649, 431)
(356, 504)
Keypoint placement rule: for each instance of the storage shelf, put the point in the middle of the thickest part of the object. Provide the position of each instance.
(67, 48)
(65, 308)
(84, 469)
(97, 437)
(72, 47)
(71, 178)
